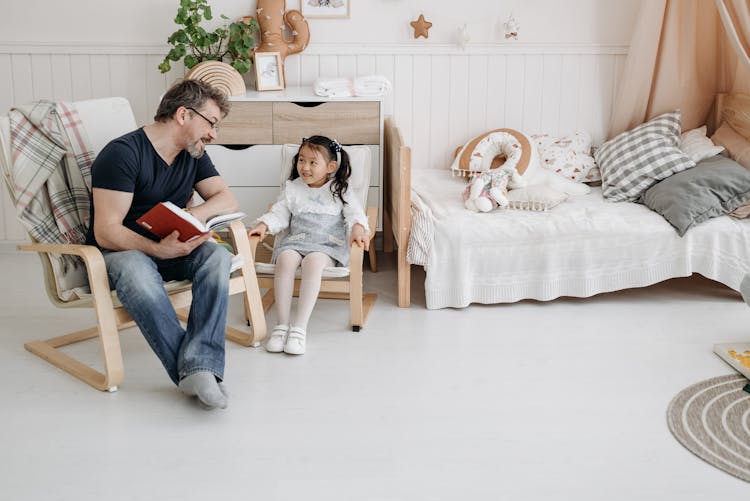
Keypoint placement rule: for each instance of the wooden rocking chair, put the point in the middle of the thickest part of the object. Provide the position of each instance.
(106, 119)
(337, 282)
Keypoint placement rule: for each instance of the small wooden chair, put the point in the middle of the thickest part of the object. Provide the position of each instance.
(106, 119)
(337, 282)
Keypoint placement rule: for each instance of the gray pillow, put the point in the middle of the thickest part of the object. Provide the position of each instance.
(715, 186)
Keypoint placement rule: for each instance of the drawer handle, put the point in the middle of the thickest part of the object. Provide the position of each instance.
(308, 104)
(237, 147)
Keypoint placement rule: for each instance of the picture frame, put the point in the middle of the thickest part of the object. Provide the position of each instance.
(325, 9)
(269, 72)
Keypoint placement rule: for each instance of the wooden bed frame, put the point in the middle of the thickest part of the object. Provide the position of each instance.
(731, 108)
(397, 204)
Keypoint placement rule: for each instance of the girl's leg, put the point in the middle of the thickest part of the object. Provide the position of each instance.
(283, 283)
(312, 270)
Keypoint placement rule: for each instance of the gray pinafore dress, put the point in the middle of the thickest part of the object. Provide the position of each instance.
(309, 232)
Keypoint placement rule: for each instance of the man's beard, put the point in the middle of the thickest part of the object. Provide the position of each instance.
(195, 150)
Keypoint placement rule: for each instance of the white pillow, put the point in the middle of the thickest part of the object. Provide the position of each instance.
(568, 155)
(538, 197)
(697, 146)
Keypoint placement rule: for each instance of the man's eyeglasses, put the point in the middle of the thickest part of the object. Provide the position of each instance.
(214, 125)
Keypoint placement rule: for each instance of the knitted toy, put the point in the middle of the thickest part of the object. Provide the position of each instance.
(487, 190)
(271, 18)
(512, 151)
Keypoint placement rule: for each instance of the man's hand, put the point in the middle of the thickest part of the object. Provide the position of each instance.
(359, 236)
(260, 230)
(171, 247)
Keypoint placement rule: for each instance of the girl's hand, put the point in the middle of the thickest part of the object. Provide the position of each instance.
(260, 230)
(360, 236)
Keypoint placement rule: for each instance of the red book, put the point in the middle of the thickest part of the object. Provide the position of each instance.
(165, 217)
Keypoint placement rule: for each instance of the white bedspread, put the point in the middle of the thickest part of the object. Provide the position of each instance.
(582, 247)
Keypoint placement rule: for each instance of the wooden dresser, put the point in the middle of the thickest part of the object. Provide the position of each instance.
(260, 122)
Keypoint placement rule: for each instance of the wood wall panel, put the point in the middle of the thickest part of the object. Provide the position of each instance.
(441, 96)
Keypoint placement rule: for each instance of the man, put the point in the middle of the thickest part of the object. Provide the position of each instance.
(165, 161)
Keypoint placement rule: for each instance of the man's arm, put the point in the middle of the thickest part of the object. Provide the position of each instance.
(111, 207)
(218, 199)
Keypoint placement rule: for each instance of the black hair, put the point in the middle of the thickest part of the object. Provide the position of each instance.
(328, 148)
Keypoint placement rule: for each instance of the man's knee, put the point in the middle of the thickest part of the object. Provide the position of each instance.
(128, 263)
(213, 260)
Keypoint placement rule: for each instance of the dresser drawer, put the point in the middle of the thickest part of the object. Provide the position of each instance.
(347, 122)
(247, 123)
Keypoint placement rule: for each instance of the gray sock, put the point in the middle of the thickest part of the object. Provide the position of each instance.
(745, 288)
(204, 386)
(224, 390)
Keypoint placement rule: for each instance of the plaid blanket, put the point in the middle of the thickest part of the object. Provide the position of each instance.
(51, 179)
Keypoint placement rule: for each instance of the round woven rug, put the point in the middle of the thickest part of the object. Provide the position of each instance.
(712, 419)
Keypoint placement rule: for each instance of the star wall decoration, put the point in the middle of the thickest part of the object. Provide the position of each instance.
(420, 27)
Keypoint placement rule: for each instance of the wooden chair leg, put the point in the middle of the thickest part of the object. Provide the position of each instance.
(404, 278)
(113, 374)
(373, 258)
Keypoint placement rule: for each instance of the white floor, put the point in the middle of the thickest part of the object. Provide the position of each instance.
(563, 400)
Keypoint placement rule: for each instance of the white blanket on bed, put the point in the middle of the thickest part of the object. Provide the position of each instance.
(582, 247)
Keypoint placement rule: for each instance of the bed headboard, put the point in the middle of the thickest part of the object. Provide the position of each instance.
(397, 203)
(735, 110)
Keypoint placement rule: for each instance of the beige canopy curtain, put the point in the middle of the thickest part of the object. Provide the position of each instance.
(682, 53)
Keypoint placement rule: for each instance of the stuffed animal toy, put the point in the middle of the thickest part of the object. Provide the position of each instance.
(271, 18)
(512, 150)
(487, 190)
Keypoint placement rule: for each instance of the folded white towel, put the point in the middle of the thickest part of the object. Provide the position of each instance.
(369, 85)
(333, 87)
(372, 85)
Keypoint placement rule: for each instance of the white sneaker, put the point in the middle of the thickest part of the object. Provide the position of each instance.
(295, 341)
(276, 342)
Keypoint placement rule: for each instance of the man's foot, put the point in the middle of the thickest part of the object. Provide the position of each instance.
(204, 386)
(275, 343)
(295, 341)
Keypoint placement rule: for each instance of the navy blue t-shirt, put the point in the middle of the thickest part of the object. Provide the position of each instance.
(131, 164)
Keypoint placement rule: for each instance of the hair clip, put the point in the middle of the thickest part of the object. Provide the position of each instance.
(335, 146)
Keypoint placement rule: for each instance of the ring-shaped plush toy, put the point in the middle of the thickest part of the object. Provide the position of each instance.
(498, 148)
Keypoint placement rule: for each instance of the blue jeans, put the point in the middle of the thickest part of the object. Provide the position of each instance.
(139, 282)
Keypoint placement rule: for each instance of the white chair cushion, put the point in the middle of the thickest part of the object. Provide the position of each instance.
(328, 271)
(105, 119)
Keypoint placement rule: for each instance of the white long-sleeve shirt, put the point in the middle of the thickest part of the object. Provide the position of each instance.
(297, 197)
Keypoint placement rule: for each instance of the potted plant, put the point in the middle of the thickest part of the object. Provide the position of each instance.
(232, 43)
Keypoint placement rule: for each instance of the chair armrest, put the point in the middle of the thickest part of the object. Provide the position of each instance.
(92, 258)
(243, 245)
(91, 255)
(372, 220)
(356, 256)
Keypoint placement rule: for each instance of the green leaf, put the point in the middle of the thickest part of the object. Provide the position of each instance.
(191, 61)
(164, 67)
(207, 13)
(241, 66)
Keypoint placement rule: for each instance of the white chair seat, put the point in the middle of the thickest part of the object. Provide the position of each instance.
(328, 271)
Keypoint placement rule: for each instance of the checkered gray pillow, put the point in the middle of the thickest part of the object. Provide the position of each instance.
(637, 159)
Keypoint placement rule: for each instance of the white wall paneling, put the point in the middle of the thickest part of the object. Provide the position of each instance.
(441, 96)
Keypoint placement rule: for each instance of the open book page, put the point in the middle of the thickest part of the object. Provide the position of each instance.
(222, 220)
(735, 354)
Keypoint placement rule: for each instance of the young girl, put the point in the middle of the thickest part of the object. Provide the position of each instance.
(319, 211)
